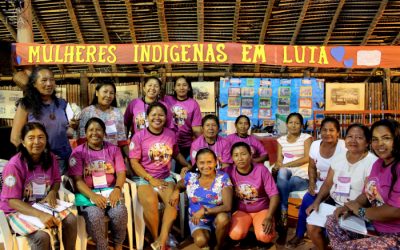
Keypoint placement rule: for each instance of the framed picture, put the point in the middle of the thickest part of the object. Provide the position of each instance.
(233, 112)
(284, 110)
(283, 101)
(247, 102)
(265, 92)
(284, 91)
(305, 112)
(8, 98)
(305, 91)
(265, 103)
(234, 102)
(345, 96)
(305, 102)
(306, 81)
(247, 112)
(285, 81)
(265, 83)
(126, 93)
(204, 94)
(233, 91)
(247, 92)
(264, 113)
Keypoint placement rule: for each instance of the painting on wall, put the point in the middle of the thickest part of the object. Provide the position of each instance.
(345, 96)
(125, 94)
(204, 94)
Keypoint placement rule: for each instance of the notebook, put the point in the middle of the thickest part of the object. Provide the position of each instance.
(354, 224)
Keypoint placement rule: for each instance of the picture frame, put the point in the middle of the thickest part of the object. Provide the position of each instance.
(283, 101)
(345, 96)
(125, 94)
(264, 92)
(233, 112)
(305, 91)
(234, 91)
(234, 102)
(264, 113)
(284, 91)
(305, 112)
(8, 98)
(265, 83)
(284, 110)
(305, 102)
(204, 94)
(247, 112)
(247, 92)
(265, 103)
(247, 102)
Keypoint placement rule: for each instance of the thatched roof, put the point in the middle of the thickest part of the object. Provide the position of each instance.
(308, 22)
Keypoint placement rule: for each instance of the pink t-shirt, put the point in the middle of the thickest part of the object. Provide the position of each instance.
(254, 189)
(90, 163)
(135, 115)
(377, 191)
(186, 114)
(19, 181)
(154, 151)
(257, 149)
(221, 148)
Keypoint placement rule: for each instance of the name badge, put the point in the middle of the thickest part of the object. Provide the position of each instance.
(111, 129)
(38, 189)
(99, 179)
(343, 186)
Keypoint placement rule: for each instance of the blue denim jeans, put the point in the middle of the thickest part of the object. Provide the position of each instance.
(287, 183)
(301, 228)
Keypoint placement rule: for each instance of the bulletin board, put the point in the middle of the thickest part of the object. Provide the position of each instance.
(261, 99)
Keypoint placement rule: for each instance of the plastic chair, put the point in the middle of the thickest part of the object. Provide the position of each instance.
(138, 218)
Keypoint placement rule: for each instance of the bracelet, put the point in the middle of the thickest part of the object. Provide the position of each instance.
(361, 213)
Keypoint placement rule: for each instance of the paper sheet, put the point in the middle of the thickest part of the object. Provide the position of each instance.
(319, 218)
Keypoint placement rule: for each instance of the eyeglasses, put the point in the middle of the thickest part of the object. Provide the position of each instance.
(385, 139)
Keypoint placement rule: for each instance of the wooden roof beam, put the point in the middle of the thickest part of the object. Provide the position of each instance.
(75, 25)
(43, 32)
(296, 32)
(132, 28)
(264, 27)
(200, 29)
(9, 27)
(104, 30)
(235, 26)
(162, 22)
(396, 40)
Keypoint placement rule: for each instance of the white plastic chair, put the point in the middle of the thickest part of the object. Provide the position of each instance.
(138, 218)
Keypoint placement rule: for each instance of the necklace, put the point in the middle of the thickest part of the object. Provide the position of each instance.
(52, 115)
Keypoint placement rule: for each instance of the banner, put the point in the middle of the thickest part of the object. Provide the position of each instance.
(213, 53)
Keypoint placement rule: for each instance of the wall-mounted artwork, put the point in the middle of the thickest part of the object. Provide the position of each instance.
(345, 96)
(204, 94)
(125, 94)
(8, 99)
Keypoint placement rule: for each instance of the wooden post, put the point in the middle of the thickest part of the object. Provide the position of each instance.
(24, 28)
(386, 89)
(84, 90)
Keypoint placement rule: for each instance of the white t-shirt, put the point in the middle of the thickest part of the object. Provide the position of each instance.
(322, 163)
(294, 151)
(357, 173)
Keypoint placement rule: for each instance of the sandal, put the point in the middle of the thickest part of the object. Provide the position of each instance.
(294, 242)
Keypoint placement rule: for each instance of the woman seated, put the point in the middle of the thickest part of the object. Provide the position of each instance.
(292, 162)
(257, 196)
(346, 175)
(210, 139)
(242, 125)
(97, 166)
(321, 154)
(210, 199)
(151, 150)
(380, 201)
(31, 176)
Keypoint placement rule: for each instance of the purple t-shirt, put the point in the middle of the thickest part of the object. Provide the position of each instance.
(186, 114)
(221, 148)
(377, 191)
(19, 181)
(257, 149)
(90, 163)
(253, 189)
(135, 115)
(154, 151)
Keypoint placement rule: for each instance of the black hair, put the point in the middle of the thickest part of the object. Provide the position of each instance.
(147, 79)
(298, 115)
(200, 152)
(364, 128)
(95, 99)
(155, 105)
(332, 120)
(210, 117)
(32, 100)
(242, 116)
(394, 128)
(45, 158)
(241, 144)
(190, 92)
(95, 120)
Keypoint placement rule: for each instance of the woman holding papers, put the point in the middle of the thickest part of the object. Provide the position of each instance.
(321, 154)
(380, 201)
(40, 104)
(346, 175)
(98, 170)
(31, 176)
(257, 196)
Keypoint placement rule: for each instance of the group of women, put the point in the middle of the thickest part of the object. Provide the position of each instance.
(220, 174)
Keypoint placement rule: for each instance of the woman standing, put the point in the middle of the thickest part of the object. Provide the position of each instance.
(135, 118)
(292, 161)
(322, 152)
(210, 200)
(40, 104)
(186, 115)
(210, 139)
(242, 125)
(380, 201)
(32, 176)
(150, 154)
(257, 196)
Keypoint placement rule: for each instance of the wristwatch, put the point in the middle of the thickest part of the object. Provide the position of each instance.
(361, 213)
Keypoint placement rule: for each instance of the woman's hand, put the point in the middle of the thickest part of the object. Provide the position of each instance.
(74, 123)
(311, 188)
(158, 183)
(48, 220)
(115, 197)
(313, 207)
(197, 216)
(267, 225)
(276, 167)
(184, 170)
(174, 198)
(353, 206)
(341, 211)
(51, 198)
(99, 200)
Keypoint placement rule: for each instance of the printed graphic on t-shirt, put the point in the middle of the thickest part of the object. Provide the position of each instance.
(141, 121)
(247, 193)
(37, 187)
(372, 193)
(180, 114)
(99, 166)
(160, 153)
